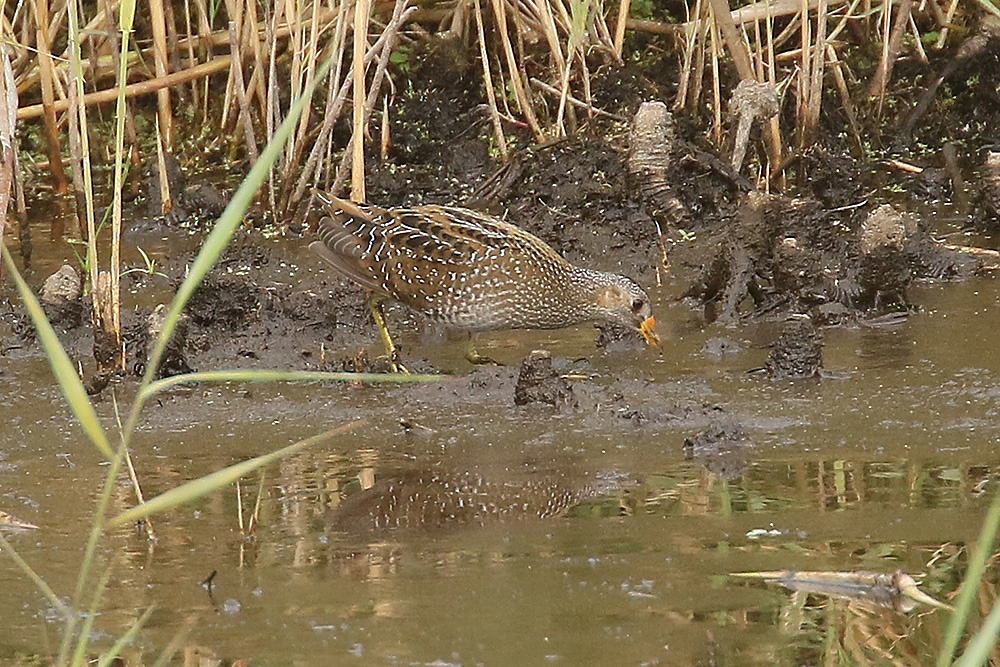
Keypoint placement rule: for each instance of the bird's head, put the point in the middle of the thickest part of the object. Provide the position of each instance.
(623, 302)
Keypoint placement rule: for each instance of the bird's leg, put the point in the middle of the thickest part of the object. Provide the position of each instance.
(375, 303)
(473, 355)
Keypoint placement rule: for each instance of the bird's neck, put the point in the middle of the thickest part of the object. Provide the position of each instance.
(586, 285)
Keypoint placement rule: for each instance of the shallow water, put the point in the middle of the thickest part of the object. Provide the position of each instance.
(884, 464)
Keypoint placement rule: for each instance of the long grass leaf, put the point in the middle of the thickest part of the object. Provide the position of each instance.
(277, 375)
(83, 641)
(69, 382)
(216, 480)
(967, 593)
(111, 655)
(983, 642)
(49, 594)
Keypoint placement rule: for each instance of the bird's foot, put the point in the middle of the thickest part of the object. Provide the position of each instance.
(395, 364)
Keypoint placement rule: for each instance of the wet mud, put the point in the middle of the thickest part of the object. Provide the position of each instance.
(643, 196)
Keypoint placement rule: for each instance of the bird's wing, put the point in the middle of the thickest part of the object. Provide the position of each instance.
(348, 232)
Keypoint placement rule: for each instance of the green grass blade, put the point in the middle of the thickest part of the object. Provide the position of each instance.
(83, 641)
(967, 593)
(49, 594)
(62, 367)
(216, 480)
(981, 645)
(277, 375)
(111, 654)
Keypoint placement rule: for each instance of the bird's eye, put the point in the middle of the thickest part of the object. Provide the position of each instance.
(637, 304)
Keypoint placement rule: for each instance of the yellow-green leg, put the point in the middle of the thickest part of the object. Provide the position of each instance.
(375, 303)
(473, 355)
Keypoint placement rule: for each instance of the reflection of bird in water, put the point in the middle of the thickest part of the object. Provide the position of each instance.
(429, 499)
(470, 270)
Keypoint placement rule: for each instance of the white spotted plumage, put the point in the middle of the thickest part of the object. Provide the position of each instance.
(468, 269)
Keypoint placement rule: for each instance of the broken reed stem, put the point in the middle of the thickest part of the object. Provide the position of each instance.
(361, 8)
(189, 46)
(272, 105)
(590, 108)
(523, 101)
(8, 125)
(774, 143)
(125, 25)
(891, 49)
(385, 45)
(297, 142)
(624, 8)
(246, 120)
(335, 101)
(488, 83)
(47, 78)
(845, 99)
(250, 33)
(164, 112)
(723, 21)
(818, 67)
(141, 88)
(716, 83)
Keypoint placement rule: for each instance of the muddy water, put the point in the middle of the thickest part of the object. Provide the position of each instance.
(528, 536)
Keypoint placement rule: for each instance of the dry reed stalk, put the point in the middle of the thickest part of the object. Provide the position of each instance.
(141, 88)
(732, 38)
(385, 139)
(803, 79)
(163, 182)
(273, 105)
(246, 120)
(547, 22)
(125, 22)
(918, 43)
(577, 25)
(108, 350)
(588, 107)
(297, 143)
(716, 83)
(250, 33)
(604, 41)
(814, 88)
(773, 144)
(488, 83)
(383, 47)
(624, 8)
(361, 19)
(890, 49)
(8, 125)
(296, 41)
(204, 45)
(164, 112)
(845, 99)
(319, 154)
(949, 17)
(690, 43)
(517, 83)
(189, 46)
(47, 77)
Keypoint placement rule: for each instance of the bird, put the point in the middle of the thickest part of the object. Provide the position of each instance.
(469, 270)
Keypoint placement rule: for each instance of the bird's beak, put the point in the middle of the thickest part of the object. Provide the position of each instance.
(647, 331)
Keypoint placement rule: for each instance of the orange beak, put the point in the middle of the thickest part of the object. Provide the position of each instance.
(647, 331)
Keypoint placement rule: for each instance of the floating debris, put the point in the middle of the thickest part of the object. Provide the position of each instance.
(11, 521)
(893, 590)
